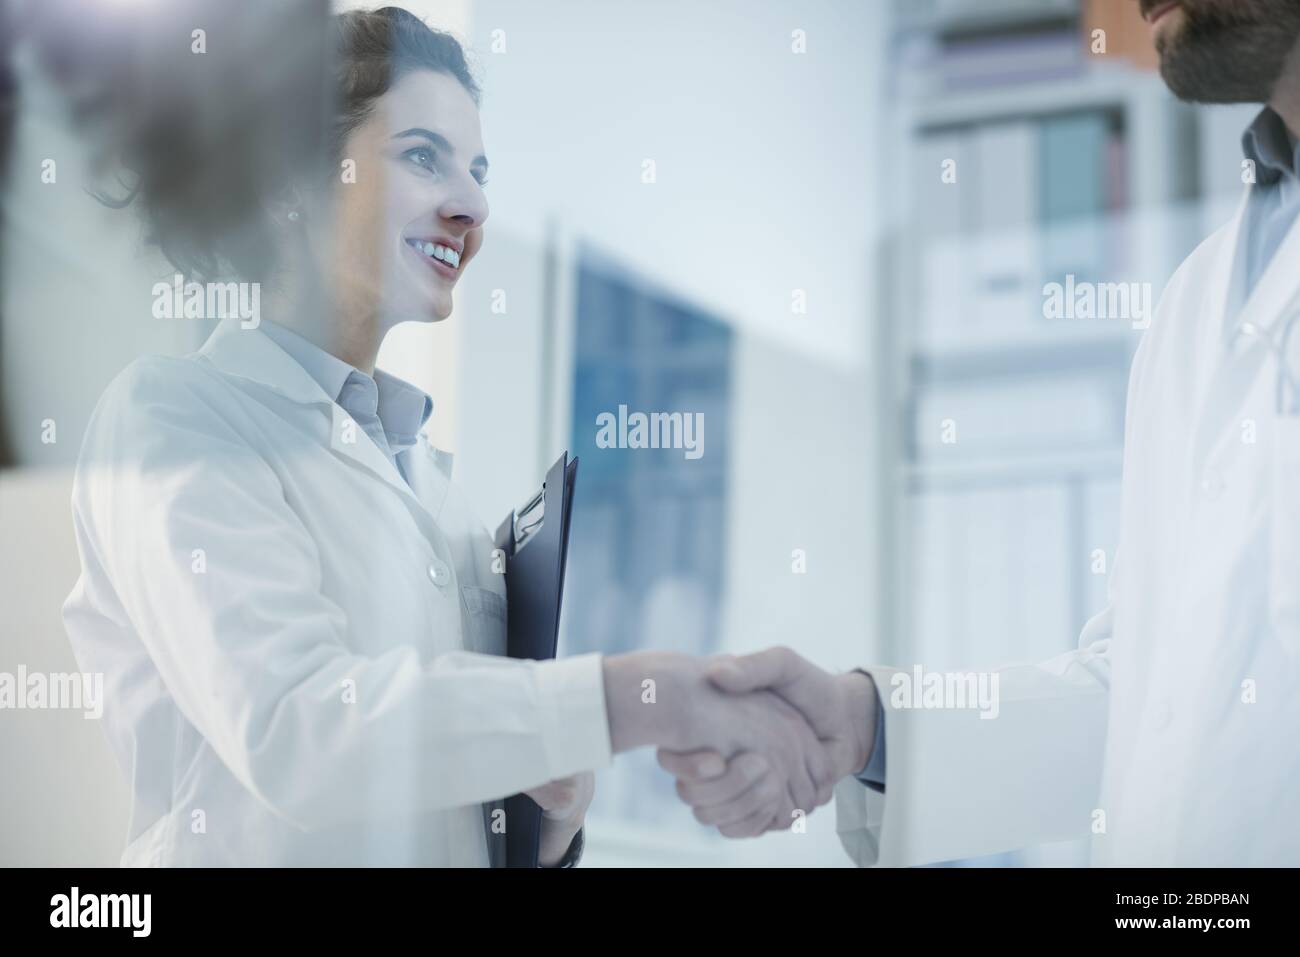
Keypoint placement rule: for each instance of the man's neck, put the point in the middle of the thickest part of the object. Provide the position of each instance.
(1290, 113)
(1286, 96)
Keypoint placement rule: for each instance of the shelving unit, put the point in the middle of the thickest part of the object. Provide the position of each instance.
(983, 15)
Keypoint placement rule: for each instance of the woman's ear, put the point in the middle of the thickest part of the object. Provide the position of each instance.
(287, 209)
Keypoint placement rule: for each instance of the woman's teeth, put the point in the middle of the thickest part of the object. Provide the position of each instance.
(444, 254)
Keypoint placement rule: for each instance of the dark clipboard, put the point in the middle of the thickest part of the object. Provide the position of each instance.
(535, 540)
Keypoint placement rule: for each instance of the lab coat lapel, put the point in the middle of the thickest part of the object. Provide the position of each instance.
(1242, 357)
(349, 440)
(250, 354)
(1225, 282)
(429, 470)
(1279, 286)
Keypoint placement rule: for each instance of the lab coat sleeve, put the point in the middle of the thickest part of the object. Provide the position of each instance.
(959, 785)
(255, 655)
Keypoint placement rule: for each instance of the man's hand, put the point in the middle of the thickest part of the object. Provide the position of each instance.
(564, 806)
(841, 709)
(668, 700)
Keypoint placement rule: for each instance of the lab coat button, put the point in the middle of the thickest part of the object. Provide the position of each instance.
(439, 573)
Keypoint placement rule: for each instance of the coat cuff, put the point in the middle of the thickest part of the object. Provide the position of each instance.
(575, 729)
(873, 775)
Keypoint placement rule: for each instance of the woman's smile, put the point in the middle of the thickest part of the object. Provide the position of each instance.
(442, 255)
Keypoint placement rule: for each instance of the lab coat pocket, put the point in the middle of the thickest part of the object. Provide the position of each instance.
(1284, 555)
(485, 620)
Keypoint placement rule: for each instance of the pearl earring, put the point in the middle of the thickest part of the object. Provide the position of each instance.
(294, 216)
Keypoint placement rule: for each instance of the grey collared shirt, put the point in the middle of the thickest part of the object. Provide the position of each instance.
(389, 410)
(1274, 201)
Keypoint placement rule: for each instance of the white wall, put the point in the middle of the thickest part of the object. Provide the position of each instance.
(64, 801)
(77, 308)
(759, 152)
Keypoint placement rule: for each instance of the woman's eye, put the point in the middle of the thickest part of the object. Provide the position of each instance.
(422, 156)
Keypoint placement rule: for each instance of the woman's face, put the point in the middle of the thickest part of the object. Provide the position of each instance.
(413, 219)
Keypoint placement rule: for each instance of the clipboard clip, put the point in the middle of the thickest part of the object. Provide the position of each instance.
(529, 517)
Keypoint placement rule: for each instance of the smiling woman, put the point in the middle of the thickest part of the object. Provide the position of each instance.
(307, 617)
(376, 225)
(404, 232)
(301, 625)
(410, 219)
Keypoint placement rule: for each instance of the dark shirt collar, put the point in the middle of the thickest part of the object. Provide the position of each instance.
(1268, 144)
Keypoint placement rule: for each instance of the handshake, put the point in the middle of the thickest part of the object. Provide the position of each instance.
(755, 742)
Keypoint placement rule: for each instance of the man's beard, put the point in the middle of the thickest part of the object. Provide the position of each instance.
(1228, 52)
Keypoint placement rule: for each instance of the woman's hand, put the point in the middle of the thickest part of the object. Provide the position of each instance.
(564, 806)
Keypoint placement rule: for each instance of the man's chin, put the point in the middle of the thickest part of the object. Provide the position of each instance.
(1207, 57)
(1191, 86)
(1198, 72)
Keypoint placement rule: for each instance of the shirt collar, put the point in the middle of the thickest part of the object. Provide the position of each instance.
(1267, 143)
(401, 407)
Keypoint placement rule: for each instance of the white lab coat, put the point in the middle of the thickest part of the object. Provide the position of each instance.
(1144, 738)
(300, 652)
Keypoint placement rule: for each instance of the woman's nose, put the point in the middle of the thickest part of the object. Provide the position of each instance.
(465, 203)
